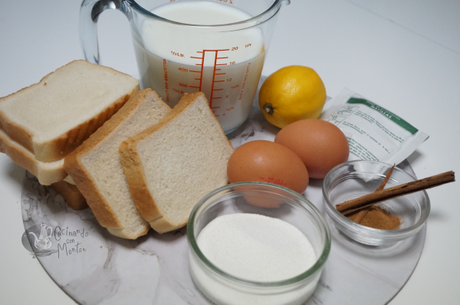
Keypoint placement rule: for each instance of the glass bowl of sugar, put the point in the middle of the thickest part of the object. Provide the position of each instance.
(256, 243)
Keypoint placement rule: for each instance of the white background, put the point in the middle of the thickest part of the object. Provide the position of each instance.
(402, 54)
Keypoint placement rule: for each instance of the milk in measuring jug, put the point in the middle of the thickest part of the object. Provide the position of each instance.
(225, 65)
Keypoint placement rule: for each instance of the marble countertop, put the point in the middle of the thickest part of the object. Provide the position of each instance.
(403, 55)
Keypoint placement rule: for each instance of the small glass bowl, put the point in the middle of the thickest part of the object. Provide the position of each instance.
(263, 199)
(354, 179)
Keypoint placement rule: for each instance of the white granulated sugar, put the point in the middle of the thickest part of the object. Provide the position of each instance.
(256, 247)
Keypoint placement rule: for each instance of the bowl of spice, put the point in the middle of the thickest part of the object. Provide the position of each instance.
(256, 243)
(376, 203)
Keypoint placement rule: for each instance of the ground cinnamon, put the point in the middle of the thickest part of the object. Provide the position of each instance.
(359, 216)
(378, 218)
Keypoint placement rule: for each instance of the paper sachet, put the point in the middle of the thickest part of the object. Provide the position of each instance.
(373, 132)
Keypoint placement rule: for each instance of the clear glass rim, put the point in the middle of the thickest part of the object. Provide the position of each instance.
(302, 200)
(368, 231)
(260, 18)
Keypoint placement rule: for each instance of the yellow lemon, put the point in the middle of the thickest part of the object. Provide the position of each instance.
(290, 94)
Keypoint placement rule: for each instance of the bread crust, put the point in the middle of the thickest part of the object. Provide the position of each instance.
(83, 179)
(135, 176)
(101, 209)
(71, 194)
(134, 170)
(62, 145)
(15, 132)
(185, 102)
(67, 142)
(45, 173)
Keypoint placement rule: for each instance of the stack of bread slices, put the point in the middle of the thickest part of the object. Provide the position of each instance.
(89, 132)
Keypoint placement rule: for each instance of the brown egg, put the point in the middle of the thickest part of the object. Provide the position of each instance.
(321, 145)
(268, 162)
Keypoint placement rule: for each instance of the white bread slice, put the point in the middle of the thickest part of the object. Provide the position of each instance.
(173, 164)
(71, 194)
(46, 172)
(97, 171)
(53, 117)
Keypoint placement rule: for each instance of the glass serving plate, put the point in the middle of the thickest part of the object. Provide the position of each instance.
(94, 267)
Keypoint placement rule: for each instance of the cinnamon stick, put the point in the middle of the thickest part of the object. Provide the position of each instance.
(362, 213)
(385, 180)
(354, 205)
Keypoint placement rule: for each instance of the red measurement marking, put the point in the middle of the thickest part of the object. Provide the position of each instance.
(201, 70)
(213, 78)
(216, 72)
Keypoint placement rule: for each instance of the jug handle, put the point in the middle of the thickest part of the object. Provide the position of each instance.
(89, 14)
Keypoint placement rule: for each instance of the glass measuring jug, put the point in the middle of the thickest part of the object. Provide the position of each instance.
(214, 46)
